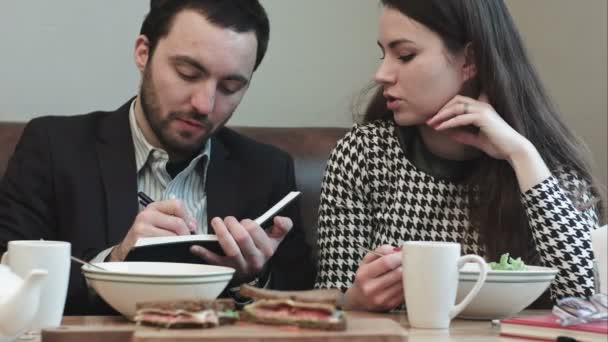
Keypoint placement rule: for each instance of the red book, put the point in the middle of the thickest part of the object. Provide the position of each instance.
(546, 328)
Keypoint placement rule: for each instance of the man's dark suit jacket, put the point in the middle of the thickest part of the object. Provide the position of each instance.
(74, 179)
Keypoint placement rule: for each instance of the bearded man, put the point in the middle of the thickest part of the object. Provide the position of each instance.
(77, 178)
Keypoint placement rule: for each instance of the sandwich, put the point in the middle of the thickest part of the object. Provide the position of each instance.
(187, 313)
(326, 296)
(315, 309)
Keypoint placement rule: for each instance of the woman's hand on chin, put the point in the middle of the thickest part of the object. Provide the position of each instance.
(476, 123)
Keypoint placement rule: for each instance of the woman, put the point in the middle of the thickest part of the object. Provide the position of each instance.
(460, 143)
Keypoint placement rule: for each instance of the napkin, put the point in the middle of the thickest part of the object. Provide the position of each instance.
(599, 240)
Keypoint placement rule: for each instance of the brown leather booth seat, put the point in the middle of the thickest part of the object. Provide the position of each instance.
(309, 146)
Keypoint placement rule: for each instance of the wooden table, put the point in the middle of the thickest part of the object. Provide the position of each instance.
(362, 326)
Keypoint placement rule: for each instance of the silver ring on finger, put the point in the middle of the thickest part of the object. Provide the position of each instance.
(466, 108)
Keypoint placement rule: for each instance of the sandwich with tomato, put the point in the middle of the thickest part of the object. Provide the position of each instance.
(316, 309)
(187, 313)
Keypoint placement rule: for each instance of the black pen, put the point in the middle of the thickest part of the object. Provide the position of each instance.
(144, 199)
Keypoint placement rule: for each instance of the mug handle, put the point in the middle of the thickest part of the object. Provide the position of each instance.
(483, 273)
(4, 260)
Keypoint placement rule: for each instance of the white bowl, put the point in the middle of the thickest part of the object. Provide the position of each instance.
(125, 284)
(505, 293)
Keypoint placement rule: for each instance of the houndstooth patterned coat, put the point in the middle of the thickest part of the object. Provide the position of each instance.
(372, 195)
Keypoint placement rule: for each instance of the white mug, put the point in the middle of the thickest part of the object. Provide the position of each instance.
(22, 256)
(430, 281)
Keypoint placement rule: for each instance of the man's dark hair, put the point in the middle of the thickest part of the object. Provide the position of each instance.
(237, 15)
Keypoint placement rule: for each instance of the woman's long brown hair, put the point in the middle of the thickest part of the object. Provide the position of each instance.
(506, 76)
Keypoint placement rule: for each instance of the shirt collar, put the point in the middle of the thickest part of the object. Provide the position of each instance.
(144, 150)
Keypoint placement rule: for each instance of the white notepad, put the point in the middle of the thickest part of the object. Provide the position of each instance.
(211, 239)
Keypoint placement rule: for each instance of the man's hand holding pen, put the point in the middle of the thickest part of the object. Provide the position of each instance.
(163, 218)
(247, 246)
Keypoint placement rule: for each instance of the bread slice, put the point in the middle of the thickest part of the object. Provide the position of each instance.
(326, 296)
(186, 313)
(289, 312)
(190, 305)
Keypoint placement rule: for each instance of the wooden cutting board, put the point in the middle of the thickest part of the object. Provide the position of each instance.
(358, 330)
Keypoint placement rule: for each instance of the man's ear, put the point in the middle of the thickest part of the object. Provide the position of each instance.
(142, 52)
(469, 68)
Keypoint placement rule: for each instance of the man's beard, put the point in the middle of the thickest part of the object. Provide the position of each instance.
(161, 126)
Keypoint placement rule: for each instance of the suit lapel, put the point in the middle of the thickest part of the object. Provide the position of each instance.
(116, 155)
(221, 184)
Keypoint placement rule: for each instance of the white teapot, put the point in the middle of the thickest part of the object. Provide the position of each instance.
(19, 300)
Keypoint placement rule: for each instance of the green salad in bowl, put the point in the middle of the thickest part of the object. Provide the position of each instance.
(510, 286)
(506, 263)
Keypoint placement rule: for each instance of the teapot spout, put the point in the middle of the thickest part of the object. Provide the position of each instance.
(18, 310)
